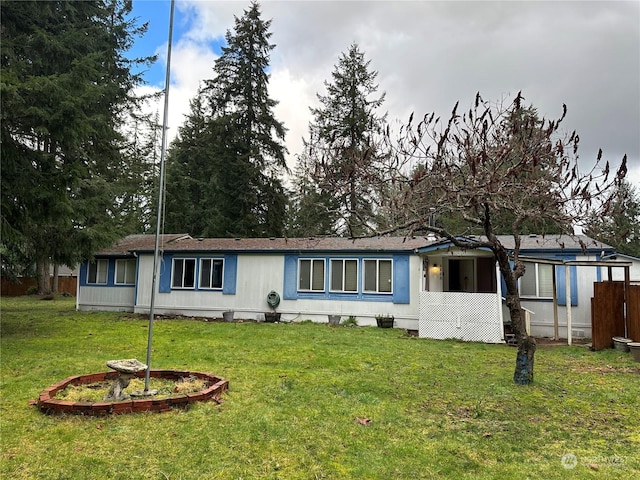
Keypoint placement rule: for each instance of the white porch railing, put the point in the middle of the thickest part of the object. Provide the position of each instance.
(473, 317)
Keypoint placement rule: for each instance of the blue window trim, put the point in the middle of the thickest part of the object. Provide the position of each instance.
(400, 274)
(115, 263)
(343, 260)
(229, 273)
(326, 277)
(196, 272)
(560, 283)
(369, 292)
(111, 273)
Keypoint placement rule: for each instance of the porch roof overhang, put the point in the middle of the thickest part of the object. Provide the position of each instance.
(443, 247)
(578, 263)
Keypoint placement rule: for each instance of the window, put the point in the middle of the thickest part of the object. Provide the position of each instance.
(377, 276)
(184, 273)
(344, 275)
(311, 275)
(97, 272)
(211, 272)
(125, 272)
(537, 280)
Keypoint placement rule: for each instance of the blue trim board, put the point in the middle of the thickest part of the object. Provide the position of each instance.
(401, 280)
(166, 264)
(290, 283)
(230, 274)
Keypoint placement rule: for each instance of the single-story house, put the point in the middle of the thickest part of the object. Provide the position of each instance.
(426, 284)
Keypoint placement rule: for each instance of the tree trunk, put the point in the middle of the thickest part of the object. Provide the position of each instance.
(523, 374)
(42, 272)
(56, 272)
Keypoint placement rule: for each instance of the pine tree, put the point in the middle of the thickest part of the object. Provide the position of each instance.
(344, 148)
(65, 88)
(619, 224)
(239, 147)
(189, 171)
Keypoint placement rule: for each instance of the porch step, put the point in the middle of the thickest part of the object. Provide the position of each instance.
(510, 338)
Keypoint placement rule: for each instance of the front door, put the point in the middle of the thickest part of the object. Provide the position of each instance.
(461, 276)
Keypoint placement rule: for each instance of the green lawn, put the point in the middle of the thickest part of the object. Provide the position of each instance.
(438, 409)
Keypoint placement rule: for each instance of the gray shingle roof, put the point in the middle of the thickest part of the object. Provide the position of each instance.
(185, 243)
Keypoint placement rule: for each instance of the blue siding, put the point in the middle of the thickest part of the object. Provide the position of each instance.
(164, 285)
(111, 273)
(561, 285)
(83, 273)
(230, 275)
(290, 287)
(401, 283)
(401, 279)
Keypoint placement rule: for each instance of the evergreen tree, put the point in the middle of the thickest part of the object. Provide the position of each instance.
(618, 224)
(344, 149)
(189, 171)
(238, 144)
(65, 88)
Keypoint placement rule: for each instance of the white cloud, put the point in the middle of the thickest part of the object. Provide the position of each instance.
(431, 54)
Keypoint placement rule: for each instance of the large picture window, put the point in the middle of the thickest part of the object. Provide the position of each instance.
(311, 275)
(211, 273)
(378, 276)
(125, 271)
(183, 273)
(344, 275)
(97, 272)
(537, 280)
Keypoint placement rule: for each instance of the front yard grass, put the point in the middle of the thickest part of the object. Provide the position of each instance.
(437, 409)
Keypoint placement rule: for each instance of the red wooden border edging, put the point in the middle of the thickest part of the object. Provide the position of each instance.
(47, 403)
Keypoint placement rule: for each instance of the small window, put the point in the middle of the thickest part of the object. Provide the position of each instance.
(211, 273)
(184, 273)
(344, 275)
(97, 272)
(311, 275)
(125, 271)
(378, 276)
(537, 280)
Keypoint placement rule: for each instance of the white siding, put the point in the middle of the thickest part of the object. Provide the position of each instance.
(106, 298)
(617, 273)
(257, 275)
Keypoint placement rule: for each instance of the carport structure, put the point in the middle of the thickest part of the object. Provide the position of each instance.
(596, 317)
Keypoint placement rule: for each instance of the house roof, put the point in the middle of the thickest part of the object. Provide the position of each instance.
(133, 243)
(186, 243)
(555, 242)
(537, 244)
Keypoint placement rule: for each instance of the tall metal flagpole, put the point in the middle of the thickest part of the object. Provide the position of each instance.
(156, 249)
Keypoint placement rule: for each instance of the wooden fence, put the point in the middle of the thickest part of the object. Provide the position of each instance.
(608, 313)
(10, 289)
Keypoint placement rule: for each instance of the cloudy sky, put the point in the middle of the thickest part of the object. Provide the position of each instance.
(428, 55)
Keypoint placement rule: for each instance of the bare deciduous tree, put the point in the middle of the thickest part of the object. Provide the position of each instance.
(497, 167)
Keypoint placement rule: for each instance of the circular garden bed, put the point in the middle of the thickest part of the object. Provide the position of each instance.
(81, 394)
